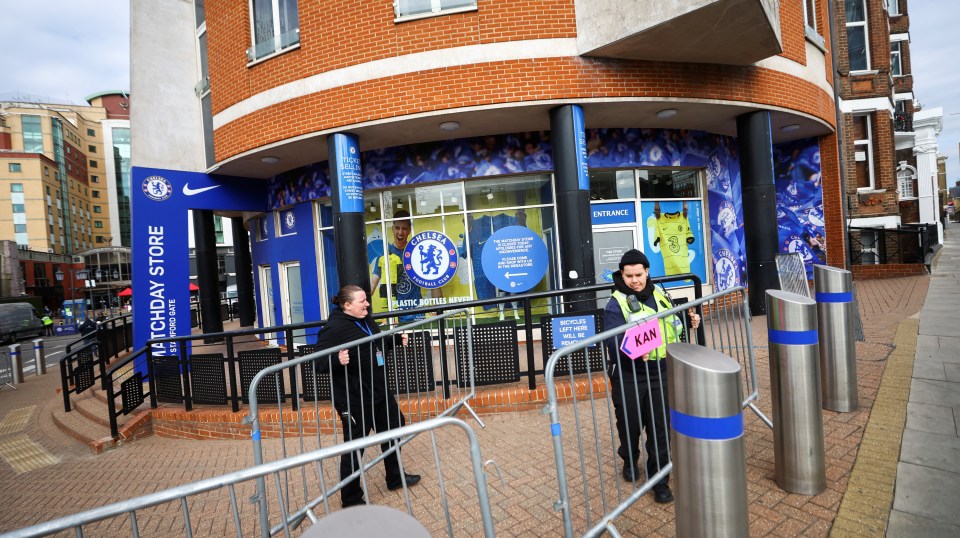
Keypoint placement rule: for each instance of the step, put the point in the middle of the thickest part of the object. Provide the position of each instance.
(89, 422)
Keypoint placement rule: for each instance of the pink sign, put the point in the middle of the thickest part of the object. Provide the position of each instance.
(642, 339)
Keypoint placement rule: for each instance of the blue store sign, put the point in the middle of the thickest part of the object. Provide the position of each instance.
(514, 259)
(613, 213)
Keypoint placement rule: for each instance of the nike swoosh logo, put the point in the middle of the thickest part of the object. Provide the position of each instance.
(190, 192)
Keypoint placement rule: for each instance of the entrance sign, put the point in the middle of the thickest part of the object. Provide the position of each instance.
(430, 259)
(514, 259)
(161, 200)
(569, 330)
(642, 339)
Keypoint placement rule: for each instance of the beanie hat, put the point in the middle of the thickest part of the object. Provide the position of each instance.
(633, 257)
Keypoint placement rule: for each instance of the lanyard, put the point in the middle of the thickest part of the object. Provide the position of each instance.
(364, 328)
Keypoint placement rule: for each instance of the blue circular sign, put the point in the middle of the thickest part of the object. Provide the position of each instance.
(430, 259)
(514, 259)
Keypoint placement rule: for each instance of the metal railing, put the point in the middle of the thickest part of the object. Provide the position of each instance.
(175, 370)
(85, 359)
(152, 513)
(407, 352)
(594, 436)
(905, 244)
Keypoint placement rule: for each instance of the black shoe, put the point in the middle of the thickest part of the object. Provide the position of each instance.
(630, 474)
(662, 494)
(354, 502)
(412, 480)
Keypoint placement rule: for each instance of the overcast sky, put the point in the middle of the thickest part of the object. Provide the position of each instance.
(65, 50)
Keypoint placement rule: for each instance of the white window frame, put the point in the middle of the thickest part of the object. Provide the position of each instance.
(896, 58)
(810, 19)
(867, 146)
(437, 10)
(866, 37)
(252, 59)
(905, 176)
(893, 7)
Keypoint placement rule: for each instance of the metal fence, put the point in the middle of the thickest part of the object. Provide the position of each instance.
(593, 460)
(222, 496)
(6, 371)
(408, 352)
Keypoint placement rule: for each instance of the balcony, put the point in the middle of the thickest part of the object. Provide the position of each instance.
(736, 32)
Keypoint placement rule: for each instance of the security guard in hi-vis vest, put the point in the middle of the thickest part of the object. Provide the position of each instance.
(388, 271)
(639, 387)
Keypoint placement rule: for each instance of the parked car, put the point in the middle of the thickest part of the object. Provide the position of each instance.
(18, 320)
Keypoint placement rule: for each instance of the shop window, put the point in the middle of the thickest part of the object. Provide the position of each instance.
(669, 183)
(863, 152)
(275, 27)
(425, 8)
(858, 53)
(612, 184)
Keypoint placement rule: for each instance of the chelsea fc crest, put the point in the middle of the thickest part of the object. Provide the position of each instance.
(430, 259)
(157, 188)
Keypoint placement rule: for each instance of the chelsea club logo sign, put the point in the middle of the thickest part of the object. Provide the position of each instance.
(430, 259)
(157, 188)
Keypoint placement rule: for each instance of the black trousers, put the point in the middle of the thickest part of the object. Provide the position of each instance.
(357, 423)
(640, 404)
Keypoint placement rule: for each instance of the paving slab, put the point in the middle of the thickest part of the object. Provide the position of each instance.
(938, 450)
(934, 392)
(931, 418)
(904, 524)
(939, 325)
(929, 369)
(927, 492)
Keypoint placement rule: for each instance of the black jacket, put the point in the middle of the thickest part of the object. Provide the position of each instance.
(361, 380)
(613, 317)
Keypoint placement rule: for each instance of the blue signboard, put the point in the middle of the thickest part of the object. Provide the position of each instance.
(349, 173)
(161, 201)
(580, 133)
(514, 259)
(568, 330)
(613, 213)
(65, 330)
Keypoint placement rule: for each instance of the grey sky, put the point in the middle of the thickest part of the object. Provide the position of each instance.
(935, 58)
(64, 50)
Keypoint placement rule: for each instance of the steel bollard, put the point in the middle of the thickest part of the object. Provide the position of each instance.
(795, 393)
(838, 349)
(16, 364)
(706, 439)
(39, 356)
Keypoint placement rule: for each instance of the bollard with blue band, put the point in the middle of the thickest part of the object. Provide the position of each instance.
(39, 357)
(16, 364)
(838, 347)
(706, 442)
(795, 392)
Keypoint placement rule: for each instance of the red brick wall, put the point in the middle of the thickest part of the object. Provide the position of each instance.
(892, 270)
(375, 36)
(833, 200)
(513, 81)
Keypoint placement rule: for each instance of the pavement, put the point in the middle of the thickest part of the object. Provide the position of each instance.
(892, 465)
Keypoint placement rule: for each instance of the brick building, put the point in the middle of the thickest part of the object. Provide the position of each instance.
(889, 165)
(561, 116)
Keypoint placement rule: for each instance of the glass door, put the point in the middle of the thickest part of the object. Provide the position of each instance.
(266, 299)
(291, 298)
(609, 245)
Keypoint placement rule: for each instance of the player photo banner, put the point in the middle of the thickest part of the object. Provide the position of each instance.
(673, 238)
(800, 225)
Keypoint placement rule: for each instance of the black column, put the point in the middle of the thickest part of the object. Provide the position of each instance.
(205, 239)
(243, 265)
(759, 206)
(349, 231)
(574, 228)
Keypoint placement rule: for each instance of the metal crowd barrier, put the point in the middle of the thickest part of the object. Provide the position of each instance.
(221, 514)
(409, 375)
(593, 488)
(6, 371)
